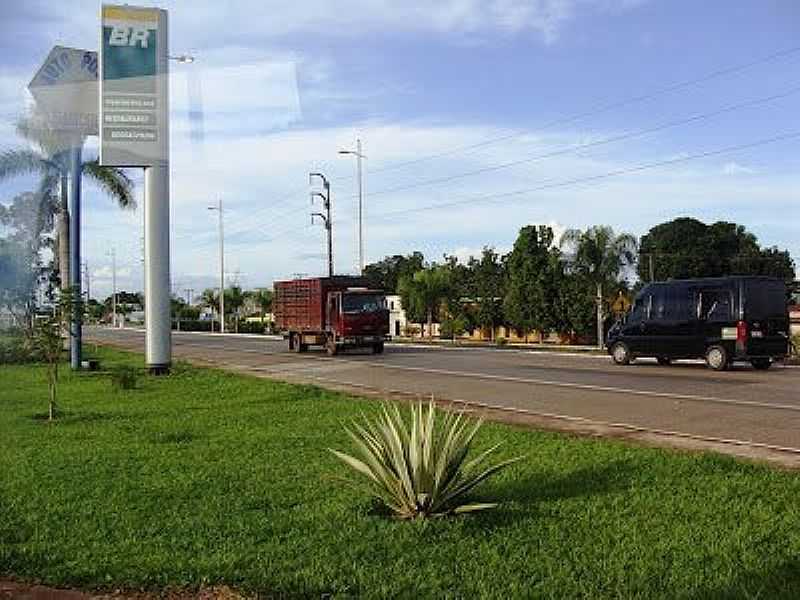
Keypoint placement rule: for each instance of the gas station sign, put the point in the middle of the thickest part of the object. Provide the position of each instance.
(133, 87)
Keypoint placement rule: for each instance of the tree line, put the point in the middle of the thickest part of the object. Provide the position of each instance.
(569, 285)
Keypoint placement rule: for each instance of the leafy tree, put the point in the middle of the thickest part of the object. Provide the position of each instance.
(686, 248)
(234, 300)
(386, 274)
(49, 341)
(457, 306)
(424, 292)
(488, 285)
(261, 298)
(20, 258)
(49, 159)
(531, 290)
(599, 255)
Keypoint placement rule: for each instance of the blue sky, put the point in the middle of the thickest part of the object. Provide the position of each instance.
(283, 86)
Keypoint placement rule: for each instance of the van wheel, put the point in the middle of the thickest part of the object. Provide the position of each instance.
(664, 361)
(761, 364)
(378, 348)
(621, 354)
(717, 358)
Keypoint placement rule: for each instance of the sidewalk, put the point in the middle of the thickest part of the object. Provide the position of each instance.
(512, 346)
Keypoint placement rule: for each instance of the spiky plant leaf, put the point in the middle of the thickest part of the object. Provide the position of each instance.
(418, 467)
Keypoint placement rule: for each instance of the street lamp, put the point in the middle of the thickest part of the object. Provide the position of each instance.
(183, 58)
(359, 156)
(218, 208)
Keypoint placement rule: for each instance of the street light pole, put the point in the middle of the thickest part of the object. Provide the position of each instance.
(359, 156)
(218, 208)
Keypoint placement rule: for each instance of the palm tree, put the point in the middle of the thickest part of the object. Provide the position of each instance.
(424, 292)
(210, 299)
(49, 159)
(599, 255)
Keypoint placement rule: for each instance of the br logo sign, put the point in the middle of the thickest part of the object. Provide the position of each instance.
(129, 36)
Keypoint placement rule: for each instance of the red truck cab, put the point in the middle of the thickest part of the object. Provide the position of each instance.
(334, 312)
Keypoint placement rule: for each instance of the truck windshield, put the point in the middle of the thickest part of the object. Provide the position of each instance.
(361, 303)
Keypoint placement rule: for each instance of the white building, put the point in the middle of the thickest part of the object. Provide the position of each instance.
(397, 316)
(400, 326)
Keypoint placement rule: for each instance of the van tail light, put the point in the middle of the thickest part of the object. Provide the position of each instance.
(741, 332)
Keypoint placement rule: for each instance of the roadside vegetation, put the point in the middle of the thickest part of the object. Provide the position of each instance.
(206, 477)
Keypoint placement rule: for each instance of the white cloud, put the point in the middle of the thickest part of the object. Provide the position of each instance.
(734, 168)
(106, 274)
(201, 23)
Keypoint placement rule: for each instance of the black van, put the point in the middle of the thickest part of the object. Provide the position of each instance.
(721, 319)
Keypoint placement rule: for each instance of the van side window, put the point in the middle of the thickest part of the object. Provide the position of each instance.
(641, 310)
(671, 303)
(660, 303)
(715, 305)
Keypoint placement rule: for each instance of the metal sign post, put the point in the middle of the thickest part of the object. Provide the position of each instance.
(65, 91)
(134, 132)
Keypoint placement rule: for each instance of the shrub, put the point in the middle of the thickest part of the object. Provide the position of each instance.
(194, 325)
(419, 469)
(245, 327)
(16, 350)
(411, 330)
(501, 341)
(123, 378)
(451, 328)
(794, 348)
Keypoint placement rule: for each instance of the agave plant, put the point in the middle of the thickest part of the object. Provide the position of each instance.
(420, 469)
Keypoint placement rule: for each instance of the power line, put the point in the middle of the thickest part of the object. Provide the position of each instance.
(599, 110)
(601, 142)
(609, 174)
(560, 152)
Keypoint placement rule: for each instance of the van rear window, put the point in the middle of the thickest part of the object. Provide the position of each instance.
(765, 299)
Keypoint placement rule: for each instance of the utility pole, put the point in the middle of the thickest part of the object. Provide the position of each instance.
(113, 254)
(652, 271)
(88, 281)
(76, 324)
(218, 208)
(326, 217)
(359, 156)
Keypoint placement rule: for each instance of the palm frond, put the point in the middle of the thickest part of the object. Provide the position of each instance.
(14, 163)
(113, 181)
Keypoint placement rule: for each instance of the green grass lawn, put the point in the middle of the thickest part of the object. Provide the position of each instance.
(207, 477)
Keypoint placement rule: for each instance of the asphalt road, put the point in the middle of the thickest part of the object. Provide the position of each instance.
(755, 413)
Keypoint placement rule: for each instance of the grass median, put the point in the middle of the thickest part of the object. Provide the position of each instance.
(206, 477)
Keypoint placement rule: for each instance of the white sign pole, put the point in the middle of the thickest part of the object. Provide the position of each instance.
(134, 132)
(157, 318)
(157, 313)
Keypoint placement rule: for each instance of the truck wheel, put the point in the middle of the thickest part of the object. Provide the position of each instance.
(664, 361)
(761, 364)
(717, 358)
(299, 346)
(621, 354)
(378, 348)
(331, 347)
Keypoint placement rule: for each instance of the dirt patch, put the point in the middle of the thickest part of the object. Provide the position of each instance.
(25, 591)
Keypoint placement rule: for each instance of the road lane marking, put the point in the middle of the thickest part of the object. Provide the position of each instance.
(524, 380)
(550, 415)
